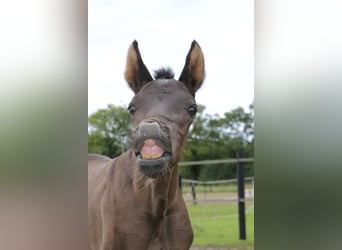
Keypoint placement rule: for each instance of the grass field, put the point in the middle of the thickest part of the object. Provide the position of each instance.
(217, 225)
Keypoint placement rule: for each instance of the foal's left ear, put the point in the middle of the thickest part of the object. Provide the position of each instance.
(136, 73)
(193, 72)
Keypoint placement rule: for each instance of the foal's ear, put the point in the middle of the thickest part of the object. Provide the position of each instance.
(193, 72)
(136, 73)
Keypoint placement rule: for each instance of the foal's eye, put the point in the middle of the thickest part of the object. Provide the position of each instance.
(131, 109)
(192, 110)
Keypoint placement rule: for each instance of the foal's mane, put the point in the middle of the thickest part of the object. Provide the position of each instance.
(164, 73)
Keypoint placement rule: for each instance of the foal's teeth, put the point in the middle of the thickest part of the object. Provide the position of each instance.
(151, 150)
(151, 156)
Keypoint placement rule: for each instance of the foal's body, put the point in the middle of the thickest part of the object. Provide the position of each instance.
(150, 215)
(134, 202)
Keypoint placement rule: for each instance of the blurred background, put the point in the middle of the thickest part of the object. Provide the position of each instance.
(44, 116)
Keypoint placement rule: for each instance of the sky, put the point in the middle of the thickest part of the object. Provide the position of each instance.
(164, 30)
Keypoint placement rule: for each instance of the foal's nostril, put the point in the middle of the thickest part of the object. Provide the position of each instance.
(149, 129)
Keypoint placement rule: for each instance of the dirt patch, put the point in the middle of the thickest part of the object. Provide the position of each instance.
(215, 198)
(215, 248)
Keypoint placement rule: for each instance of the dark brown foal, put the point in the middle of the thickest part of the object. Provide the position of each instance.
(134, 201)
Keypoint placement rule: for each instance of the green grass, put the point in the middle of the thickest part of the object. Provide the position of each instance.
(217, 225)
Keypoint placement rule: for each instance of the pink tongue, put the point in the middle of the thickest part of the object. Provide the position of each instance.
(151, 150)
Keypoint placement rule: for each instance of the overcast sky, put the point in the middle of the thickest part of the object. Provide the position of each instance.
(164, 30)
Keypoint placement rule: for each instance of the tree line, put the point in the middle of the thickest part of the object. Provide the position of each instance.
(210, 137)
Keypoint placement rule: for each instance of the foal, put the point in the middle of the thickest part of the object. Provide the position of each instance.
(134, 201)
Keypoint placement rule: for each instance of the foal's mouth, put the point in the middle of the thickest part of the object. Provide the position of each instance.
(152, 150)
(153, 158)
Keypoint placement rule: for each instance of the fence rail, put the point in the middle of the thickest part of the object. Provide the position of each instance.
(212, 162)
(214, 182)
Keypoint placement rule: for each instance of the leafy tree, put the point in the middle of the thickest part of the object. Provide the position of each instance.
(215, 137)
(109, 131)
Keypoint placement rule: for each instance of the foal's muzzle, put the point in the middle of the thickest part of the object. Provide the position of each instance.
(152, 146)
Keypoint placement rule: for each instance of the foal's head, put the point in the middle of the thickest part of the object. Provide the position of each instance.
(162, 109)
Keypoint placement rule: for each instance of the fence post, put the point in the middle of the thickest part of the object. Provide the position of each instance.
(241, 196)
(180, 182)
(193, 191)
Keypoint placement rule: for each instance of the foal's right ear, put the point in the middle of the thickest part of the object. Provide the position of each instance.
(136, 73)
(193, 72)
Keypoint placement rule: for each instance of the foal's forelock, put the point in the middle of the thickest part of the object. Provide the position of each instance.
(164, 73)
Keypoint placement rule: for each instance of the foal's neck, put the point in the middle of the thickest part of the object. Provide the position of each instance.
(158, 195)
